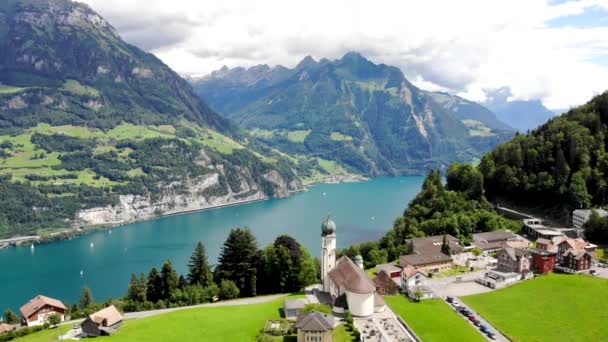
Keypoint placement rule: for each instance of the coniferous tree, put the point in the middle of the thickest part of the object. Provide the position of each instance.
(170, 280)
(11, 317)
(137, 288)
(239, 261)
(86, 298)
(154, 288)
(199, 272)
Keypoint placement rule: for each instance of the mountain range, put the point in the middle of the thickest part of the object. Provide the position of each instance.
(367, 117)
(94, 130)
(523, 115)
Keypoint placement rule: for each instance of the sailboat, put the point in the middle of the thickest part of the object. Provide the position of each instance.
(32, 247)
(92, 245)
(81, 273)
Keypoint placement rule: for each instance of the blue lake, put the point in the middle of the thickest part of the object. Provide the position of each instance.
(362, 211)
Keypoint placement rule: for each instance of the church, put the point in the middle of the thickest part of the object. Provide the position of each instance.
(344, 280)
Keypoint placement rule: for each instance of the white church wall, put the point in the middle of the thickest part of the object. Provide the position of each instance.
(360, 304)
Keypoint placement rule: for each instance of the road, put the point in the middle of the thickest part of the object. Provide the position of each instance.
(242, 301)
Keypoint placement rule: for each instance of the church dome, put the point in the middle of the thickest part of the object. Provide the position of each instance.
(328, 227)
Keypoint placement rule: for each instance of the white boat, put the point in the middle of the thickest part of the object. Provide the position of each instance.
(81, 273)
(110, 232)
(373, 218)
(92, 245)
(32, 246)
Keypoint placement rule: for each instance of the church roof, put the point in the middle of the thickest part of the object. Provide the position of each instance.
(328, 227)
(315, 321)
(350, 276)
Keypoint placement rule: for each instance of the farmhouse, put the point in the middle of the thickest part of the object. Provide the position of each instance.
(414, 281)
(575, 261)
(494, 241)
(576, 245)
(346, 283)
(315, 326)
(38, 310)
(103, 322)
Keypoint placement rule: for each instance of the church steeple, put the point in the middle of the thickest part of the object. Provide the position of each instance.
(328, 250)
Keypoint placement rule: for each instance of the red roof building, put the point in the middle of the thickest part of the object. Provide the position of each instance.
(543, 261)
(38, 310)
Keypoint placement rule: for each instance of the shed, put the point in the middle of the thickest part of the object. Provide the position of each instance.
(103, 322)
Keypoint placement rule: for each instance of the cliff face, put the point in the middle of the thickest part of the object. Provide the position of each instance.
(135, 208)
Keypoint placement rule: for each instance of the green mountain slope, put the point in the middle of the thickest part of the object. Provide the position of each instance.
(560, 166)
(365, 116)
(94, 130)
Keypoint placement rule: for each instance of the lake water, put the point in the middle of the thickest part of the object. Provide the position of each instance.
(362, 211)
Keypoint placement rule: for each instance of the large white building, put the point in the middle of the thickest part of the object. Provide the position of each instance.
(581, 216)
(346, 282)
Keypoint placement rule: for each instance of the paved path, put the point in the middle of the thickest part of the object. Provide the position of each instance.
(499, 336)
(242, 301)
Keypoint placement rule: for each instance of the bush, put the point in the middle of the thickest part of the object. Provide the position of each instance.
(228, 290)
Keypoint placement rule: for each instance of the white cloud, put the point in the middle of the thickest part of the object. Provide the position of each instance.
(458, 46)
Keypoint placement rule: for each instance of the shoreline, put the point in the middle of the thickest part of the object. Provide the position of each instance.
(71, 233)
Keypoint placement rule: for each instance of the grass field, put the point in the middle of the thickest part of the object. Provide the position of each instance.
(555, 307)
(433, 320)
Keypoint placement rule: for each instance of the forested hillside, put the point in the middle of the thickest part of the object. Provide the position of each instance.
(367, 117)
(94, 130)
(561, 166)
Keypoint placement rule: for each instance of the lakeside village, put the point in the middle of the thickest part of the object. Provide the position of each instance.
(438, 267)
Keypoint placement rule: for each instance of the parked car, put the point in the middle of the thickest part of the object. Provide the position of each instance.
(449, 299)
(455, 304)
(483, 328)
(491, 335)
(472, 318)
(464, 311)
(593, 272)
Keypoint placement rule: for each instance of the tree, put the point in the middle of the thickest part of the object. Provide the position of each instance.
(377, 256)
(239, 261)
(137, 288)
(324, 308)
(11, 317)
(278, 268)
(54, 319)
(465, 178)
(476, 251)
(86, 298)
(154, 288)
(228, 290)
(199, 272)
(170, 280)
(409, 247)
(308, 269)
(445, 246)
(418, 294)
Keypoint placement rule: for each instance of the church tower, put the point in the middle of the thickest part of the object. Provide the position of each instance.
(328, 250)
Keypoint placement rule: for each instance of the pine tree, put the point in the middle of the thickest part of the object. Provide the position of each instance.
(154, 286)
(239, 261)
(11, 317)
(170, 280)
(199, 267)
(86, 298)
(137, 288)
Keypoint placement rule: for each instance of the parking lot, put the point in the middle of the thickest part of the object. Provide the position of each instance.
(497, 335)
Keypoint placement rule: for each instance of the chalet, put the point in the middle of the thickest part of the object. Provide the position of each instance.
(103, 322)
(576, 245)
(543, 261)
(385, 284)
(575, 261)
(315, 326)
(513, 260)
(496, 240)
(38, 310)
(427, 256)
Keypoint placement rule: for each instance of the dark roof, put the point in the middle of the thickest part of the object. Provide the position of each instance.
(315, 321)
(516, 253)
(350, 276)
(432, 244)
(423, 259)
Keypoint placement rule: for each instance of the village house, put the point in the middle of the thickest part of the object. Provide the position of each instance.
(574, 261)
(385, 284)
(543, 261)
(37, 311)
(496, 240)
(414, 281)
(576, 245)
(346, 283)
(4, 328)
(514, 260)
(315, 327)
(103, 322)
(550, 245)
